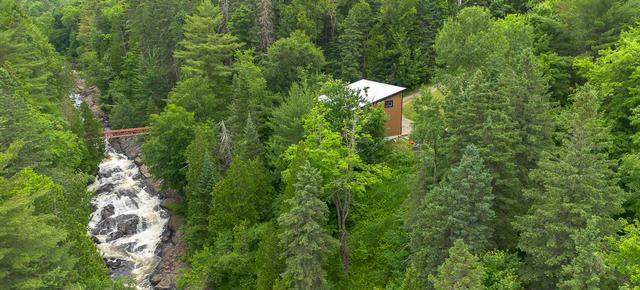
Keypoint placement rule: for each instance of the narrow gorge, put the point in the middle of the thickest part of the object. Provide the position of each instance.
(129, 223)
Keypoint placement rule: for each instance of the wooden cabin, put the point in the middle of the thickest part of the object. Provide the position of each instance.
(387, 96)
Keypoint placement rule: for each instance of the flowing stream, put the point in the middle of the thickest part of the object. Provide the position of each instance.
(127, 222)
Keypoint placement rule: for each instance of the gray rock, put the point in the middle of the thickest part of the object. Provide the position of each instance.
(107, 211)
(128, 224)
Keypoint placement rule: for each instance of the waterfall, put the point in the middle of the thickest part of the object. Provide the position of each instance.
(127, 221)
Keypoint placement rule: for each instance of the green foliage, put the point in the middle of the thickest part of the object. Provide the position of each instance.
(204, 50)
(28, 56)
(575, 185)
(588, 269)
(198, 96)
(615, 76)
(250, 95)
(244, 194)
(306, 243)
(35, 254)
(48, 146)
(501, 270)
(198, 204)
(625, 257)
(269, 264)
(288, 57)
(287, 120)
(353, 41)
(164, 152)
(251, 147)
(461, 270)
(92, 137)
(460, 208)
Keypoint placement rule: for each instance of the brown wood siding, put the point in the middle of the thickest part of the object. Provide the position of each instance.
(394, 114)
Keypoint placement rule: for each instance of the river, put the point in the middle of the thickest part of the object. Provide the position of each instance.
(127, 222)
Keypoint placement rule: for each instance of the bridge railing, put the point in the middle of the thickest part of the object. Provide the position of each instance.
(121, 133)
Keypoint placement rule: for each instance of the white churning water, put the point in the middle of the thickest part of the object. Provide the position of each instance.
(128, 221)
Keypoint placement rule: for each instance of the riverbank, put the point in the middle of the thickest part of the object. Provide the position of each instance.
(171, 246)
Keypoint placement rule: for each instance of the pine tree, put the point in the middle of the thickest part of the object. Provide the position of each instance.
(576, 184)
(198, 202)
(459, 208)
(306, 243)
(461, 270)
(204, 51)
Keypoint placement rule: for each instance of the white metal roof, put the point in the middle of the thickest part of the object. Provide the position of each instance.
(374, 91)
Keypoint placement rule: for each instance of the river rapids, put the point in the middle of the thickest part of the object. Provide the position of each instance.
(127, 221)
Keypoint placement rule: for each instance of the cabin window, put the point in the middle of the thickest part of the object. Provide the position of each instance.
(388, 104)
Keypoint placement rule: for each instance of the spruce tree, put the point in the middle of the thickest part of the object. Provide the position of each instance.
(461, 270)
(459, 208)
(306, 243)
(575, 184)
(198, 202)
(251, 145)
(477, 115)
(589, 269)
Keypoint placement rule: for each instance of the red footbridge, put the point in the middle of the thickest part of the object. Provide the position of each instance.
(122, 133)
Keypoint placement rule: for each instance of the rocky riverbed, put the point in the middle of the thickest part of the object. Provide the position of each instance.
(136, 233)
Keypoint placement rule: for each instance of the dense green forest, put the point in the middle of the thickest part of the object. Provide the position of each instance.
(522, 170)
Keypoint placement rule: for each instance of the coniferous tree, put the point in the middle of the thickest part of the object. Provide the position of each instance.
(481, 117)
(353, 40)
(92, 135)
(459, 208)
(198, 202)
(575, 184)
(305, 242)
(461, 270)
(251, 147)
(269, 264)
(35, 252)
(243, 195)
(265, 23)
(204, 51)
(287, 121)
(588, 270)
